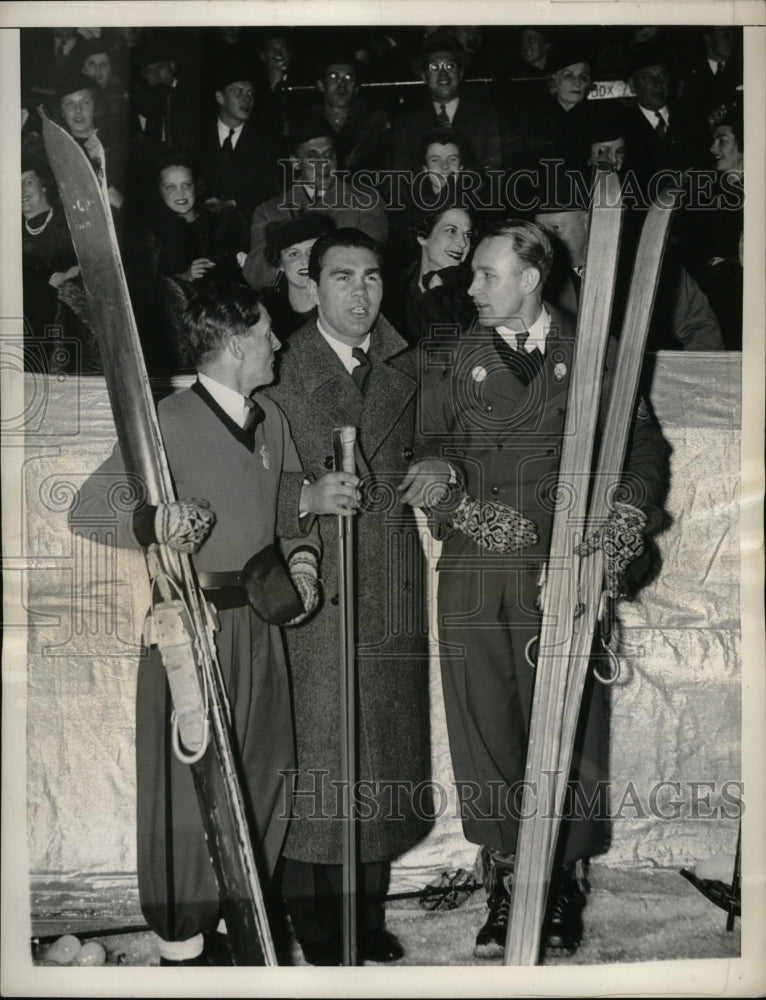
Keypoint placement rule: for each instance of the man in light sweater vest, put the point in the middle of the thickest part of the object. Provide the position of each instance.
(232, 447)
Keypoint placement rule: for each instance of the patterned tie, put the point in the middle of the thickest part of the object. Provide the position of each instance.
(662, 126)
(362, 370)
(443, 116)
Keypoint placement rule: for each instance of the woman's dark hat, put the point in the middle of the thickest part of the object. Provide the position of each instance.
(312, 225)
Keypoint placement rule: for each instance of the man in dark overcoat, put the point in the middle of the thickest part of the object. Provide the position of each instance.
(318, 390)
(496, 414)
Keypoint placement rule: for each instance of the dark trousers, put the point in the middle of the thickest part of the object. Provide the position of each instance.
(487, 617)
(314, 899)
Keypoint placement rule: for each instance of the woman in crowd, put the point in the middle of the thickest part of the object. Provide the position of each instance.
(181, 244)
(54, 299)
(288, 245)
(721, 274)
(434, 288)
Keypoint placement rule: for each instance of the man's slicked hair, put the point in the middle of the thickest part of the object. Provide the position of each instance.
(345, 237)
(530, 242)
(215, 312)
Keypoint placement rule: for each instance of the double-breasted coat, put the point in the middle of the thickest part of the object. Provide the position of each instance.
(504, 439)
(317, 394)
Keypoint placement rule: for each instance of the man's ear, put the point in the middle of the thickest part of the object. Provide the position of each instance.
(311, 288)
(530, 280)
(234, 346)
(219, 97)
(320, 86)
(423, 75)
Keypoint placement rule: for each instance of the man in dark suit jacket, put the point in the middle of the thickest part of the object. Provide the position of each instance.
(441, 65)
(496, 416)
(655, 131)
(238, 154)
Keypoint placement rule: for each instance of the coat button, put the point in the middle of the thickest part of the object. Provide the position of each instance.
(334, 599)
(489, 407)
(329, 462)
(560, 410)
(495, 490)
(407, 454)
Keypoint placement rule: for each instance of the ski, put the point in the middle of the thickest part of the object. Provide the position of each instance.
(179, 608)
(611, 461)
(537, 833)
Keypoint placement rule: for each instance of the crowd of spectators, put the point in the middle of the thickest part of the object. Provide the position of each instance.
(228, 150)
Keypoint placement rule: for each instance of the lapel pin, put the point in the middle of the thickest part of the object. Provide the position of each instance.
(560, 371)
(479, 373)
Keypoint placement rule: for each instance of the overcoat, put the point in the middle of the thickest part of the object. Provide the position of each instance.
(317, 394)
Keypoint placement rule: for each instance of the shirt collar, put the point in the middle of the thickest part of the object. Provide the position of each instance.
(230, 401)
(223, 132)
(538, 331)
(344, 350)
(651, 116)
(715, 63)
(449, 106)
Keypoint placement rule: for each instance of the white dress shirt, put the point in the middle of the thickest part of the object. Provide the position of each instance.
(651, 116)
(344, 350)
(223, 134)
(230, 401)
(538, 332)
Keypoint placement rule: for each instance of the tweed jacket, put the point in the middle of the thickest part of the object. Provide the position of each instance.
(317, 394)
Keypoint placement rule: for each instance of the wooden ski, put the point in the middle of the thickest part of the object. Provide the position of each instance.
(611, 461)
(171, 573)
(537, 833)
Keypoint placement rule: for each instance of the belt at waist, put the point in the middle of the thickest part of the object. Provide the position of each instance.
(224, 590)
(210, 581)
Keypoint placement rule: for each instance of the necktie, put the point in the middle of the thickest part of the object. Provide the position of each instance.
(719, 68)
(252, 411)
(362, 370)
(443, 116)
(227, 154)
(662, 126)
(523, 363)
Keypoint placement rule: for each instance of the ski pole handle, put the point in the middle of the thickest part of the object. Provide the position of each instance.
(344, 441)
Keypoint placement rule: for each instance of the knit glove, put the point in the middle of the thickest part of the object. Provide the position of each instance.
(183, 524)
(622, 541)
(495, 526)
(303, 569)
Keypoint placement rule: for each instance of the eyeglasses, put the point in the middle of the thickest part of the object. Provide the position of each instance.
(335, 77)
(239, 92)
(449, 64)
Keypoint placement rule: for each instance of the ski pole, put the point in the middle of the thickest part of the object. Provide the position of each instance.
(344, 440)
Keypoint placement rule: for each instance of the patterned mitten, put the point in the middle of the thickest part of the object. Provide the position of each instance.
(495, 526)
(183, 524)
(622, 540)
(302, 565)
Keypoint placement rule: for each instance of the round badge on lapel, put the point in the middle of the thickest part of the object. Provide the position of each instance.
(560, 371)
(479, 373)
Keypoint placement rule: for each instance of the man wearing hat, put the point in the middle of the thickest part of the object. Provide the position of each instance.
(362, 132)
(238, 154)
(656, 134)
(311, 185)
(441, 65)
(682, 318)
(168, 104)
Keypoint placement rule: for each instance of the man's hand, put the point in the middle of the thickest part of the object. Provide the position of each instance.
(183, 524)
(304, 573)
(495, 526)
(332, 493)
(426, 483)
(622, 540)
